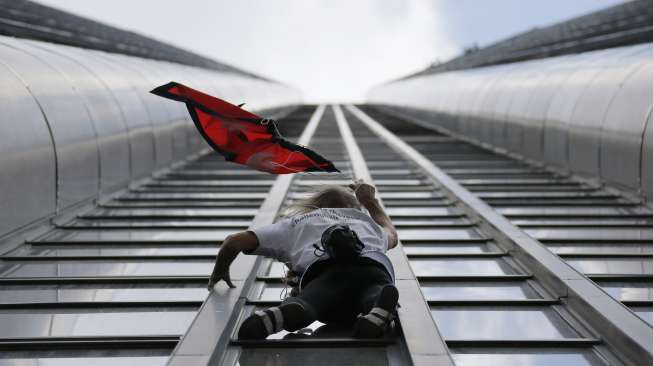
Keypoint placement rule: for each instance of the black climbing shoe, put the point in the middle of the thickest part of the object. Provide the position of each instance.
(262, 323)
(374, 323)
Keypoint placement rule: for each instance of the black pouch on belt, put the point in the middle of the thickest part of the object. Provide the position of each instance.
(341, 244)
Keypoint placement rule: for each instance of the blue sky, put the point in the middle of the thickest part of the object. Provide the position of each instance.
(333, 50)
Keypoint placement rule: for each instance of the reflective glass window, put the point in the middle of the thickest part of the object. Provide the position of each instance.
(106, 268)
(421, 211)
(197, 196)
(478, 291)
(273, 292)
(445, 248)
(188, 212)
(633, 291)
(539, 357)
(504, 323)
(409, 195)
(161, 223)
(124, 235)
(580, 210)
(592, 233)
(109, 250)
(120, 204)
(84, 361)
(439, 234)
(57, 294)
(252, 356)
(277, 269)
(43, 324)
(613, 265)
(634, 248)
(598, 221)
(460, 267)
(428, 221)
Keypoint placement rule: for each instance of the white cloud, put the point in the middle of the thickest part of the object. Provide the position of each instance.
(333, 50)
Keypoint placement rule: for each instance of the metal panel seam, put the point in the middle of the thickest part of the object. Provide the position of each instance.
(47, 123)
(113, 97)
(84, 103)
(647, 123)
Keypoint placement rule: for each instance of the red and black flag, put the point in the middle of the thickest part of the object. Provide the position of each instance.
(244, 137)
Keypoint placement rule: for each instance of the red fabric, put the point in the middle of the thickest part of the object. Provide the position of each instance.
(243, 137)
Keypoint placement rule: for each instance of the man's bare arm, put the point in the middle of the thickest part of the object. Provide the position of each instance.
(365, 195)
(229, 250)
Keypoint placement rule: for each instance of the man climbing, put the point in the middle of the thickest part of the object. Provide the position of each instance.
(338, 252)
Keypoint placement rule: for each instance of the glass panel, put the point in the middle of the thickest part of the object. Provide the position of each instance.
(633, 291)
(194, 213)
(399, 182)
(208, 183)
(119, 204)
(198, 196)
(440, 234)
(525, 357)
(478, 291)
(124, 235)
(590, 211)
(645, 313)
(245, 189)
(506, 323)
(410, 195)
(276, 269)
(106, 268)
(448, 248)
(421, 211)
(430, 203)
(9, 295)
(592, 233)
(94, 324)
(460, 267)
(221, 172)
(84, 361)
(391, 171)
(273, 292)
(429, 222)
(106, 250)
(545, 195)
(613, 266)
(635, 248)
(586, 222)
(241, 224)
(313, 356)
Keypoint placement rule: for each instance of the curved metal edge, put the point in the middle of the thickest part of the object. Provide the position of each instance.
(207, 338)
(621, 328)
(589, 124)
(423, 339)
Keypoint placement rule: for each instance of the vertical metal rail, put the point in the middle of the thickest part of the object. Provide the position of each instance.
(627, 335)
(208, 336)
(423, 340)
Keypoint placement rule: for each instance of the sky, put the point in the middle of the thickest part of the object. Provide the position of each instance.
(332, 50)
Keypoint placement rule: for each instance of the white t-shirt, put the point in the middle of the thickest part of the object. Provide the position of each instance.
(291, 240)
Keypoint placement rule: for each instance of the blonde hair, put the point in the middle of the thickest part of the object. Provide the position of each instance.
(330, 196)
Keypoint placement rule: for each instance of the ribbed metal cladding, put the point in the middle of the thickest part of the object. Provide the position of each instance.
(78, 124)
(587, 113)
